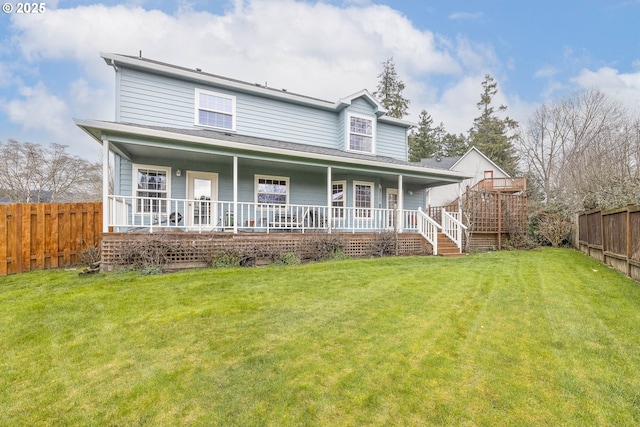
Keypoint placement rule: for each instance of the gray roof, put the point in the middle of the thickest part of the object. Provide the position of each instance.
(440, 162)
(273, 143)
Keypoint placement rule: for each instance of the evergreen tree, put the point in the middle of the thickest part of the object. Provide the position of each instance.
(491, 134)
(422, 142)
(390, 89)
(454, 145)
(428, 141)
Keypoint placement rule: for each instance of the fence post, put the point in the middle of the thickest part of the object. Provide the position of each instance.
(628, 226)
(4, 240)
(602, 236)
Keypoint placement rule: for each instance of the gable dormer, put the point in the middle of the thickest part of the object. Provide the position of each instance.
(357, 121)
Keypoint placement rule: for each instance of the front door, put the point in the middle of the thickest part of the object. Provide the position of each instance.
(202, 192)
(392, 203)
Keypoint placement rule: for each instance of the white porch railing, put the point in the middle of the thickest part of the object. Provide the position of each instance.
(129, 213)
(429, 229)
(452, 227)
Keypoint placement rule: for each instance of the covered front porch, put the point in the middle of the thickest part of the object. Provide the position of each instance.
(166, 180)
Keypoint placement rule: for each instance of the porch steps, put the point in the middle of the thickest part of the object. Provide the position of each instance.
(447, 247)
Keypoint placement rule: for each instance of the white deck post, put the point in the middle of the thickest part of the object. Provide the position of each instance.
(329, 198)
(105, 184)
(399, 213)
(235, 195)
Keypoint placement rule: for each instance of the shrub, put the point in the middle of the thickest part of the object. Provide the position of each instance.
(338, 255)
(150, 254)
(323, 246)
(550, 226)
(89, 255)
(288, 258)
(384, 244)
(228, 259)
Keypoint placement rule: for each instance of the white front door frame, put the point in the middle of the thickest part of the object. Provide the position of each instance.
(209, 220)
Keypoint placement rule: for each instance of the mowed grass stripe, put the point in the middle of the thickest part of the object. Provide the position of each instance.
(508, 338)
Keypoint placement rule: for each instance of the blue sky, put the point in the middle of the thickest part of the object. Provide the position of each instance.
(538, 51)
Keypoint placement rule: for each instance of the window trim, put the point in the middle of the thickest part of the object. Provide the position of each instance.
(338, 211)
(355, 195)
(197, 108)
(373, 121)
(286, 179)
(134, 184)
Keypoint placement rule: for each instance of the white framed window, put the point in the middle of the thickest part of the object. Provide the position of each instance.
(361, 132)
(272, 190)
(151, 187)
(363, 198)
(215, 109)
(338, 197)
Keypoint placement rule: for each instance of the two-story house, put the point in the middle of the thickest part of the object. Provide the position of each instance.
(194, 151)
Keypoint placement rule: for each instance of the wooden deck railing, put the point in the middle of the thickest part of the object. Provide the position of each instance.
(502, 184)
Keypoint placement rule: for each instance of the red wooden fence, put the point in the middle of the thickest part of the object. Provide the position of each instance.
(42, 236)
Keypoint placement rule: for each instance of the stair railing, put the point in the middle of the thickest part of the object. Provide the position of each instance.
(452, 227)
(428, 228)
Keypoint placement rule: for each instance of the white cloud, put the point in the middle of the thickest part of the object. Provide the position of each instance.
(316, 49)
(622, 86)
(456, 108)
(38, 109)
(466, 16)
(291, 44)
(547, 71)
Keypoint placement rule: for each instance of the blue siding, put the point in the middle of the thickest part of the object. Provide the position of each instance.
(124, 170)
(267, 118)
(387, 141)
(163, 101)
(155, 100)
(342, 130)
(362, 106)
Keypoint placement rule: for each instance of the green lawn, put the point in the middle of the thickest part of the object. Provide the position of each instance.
(546, 337)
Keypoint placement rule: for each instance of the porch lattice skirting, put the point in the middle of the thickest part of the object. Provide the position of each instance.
(195, 249)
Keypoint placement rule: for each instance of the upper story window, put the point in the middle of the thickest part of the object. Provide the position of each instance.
(361, 133)
(215, 110)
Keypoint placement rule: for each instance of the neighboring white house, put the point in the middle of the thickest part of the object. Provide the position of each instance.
(473, 162)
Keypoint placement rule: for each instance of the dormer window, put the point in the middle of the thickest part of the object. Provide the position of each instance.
(215, 110)
(361, 132)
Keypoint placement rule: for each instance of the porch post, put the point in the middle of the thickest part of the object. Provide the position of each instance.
(399, 213)
(329, 198)
(105, 184)
(235, 195)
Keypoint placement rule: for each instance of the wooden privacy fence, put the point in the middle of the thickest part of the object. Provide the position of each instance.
(42, 236)
(612, 237)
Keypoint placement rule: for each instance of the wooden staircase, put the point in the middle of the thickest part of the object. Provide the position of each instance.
(447, 247)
